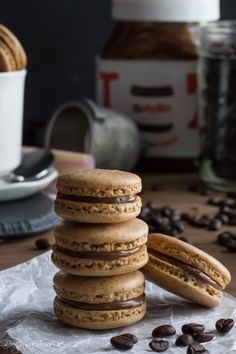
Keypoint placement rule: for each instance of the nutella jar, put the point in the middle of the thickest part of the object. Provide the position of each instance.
(148, 70)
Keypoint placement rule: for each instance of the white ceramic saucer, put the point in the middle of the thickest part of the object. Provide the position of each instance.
(13, 191)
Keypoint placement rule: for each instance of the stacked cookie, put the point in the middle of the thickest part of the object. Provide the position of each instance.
(100, 247)
(12, 54)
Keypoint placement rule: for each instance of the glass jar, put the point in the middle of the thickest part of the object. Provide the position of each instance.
(217, 84)
(147, 69)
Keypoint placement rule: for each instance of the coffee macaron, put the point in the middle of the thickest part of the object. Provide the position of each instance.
(98, 196)
(100, 249)
(99, 303)
(186, 270)
(12, 54)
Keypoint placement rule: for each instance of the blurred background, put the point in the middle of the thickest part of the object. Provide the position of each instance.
(61, 39)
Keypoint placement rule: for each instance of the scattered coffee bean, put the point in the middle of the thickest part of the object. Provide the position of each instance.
(196, 348)
(122, 342)
(163, 331)
(178, 227)
(215, 225)
(184, 340)
(131, 336)
(215, 201)
(204, 337)
(223, 218)
(224, 325)
(159, 345)
(203, 221)
(231, 246)
(163, 220)
(224, 238)
(42, 244)
(224, 209)
(192, 328)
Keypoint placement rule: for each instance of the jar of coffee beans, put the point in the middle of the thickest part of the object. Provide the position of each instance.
(217, 85)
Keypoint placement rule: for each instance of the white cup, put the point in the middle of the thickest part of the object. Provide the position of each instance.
(12, 87)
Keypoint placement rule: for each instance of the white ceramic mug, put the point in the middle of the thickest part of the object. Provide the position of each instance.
(12, 87)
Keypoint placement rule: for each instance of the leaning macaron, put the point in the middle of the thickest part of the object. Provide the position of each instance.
(100, 250)
(99, 302)
(98, 196)
(186, 270)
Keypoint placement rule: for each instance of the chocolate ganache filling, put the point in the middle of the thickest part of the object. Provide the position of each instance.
(116, 305)
(106, 256)
(101, 200)
(186, 267)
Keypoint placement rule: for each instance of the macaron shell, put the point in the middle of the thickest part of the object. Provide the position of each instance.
(98, 290)
(7, 62)
(99, 183)
(98, 320)
(97, 212)
(93, 267)
(181, 283)
(190, 255)
(109, 237)
(15, 47)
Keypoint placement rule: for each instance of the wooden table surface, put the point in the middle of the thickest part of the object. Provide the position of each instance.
(174, 192)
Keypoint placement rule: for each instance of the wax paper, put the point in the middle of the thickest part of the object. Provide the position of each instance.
(27, 319)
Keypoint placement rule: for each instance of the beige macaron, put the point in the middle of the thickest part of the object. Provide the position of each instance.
(15, 48)
(186, 270)
(99, 302)
(98, 196)
(100, 250)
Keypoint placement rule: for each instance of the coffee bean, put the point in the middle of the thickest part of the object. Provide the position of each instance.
(215, 225)
(203, 221)
(196, 348)
(159, 345)
(231, 246)
(192, 328)
(178, 227)
(163, 331)
(204, 337)
(184, 340)
(122, 342)
(224, 325)
(215, 201)
(223, 218)
(166, 211)
(131, 336)
(42, 244)
(227, 210)
(224, 238)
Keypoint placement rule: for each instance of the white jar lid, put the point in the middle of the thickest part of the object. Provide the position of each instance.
(167, 10)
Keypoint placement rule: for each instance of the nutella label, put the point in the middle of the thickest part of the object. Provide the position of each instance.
(161, 96)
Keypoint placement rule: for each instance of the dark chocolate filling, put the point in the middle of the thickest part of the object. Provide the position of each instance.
(197, 273)
(102, 200)
(116, 305)
(99, 255)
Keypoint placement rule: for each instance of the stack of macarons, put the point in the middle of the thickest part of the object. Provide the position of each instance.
(12, 54)
(100, 247)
